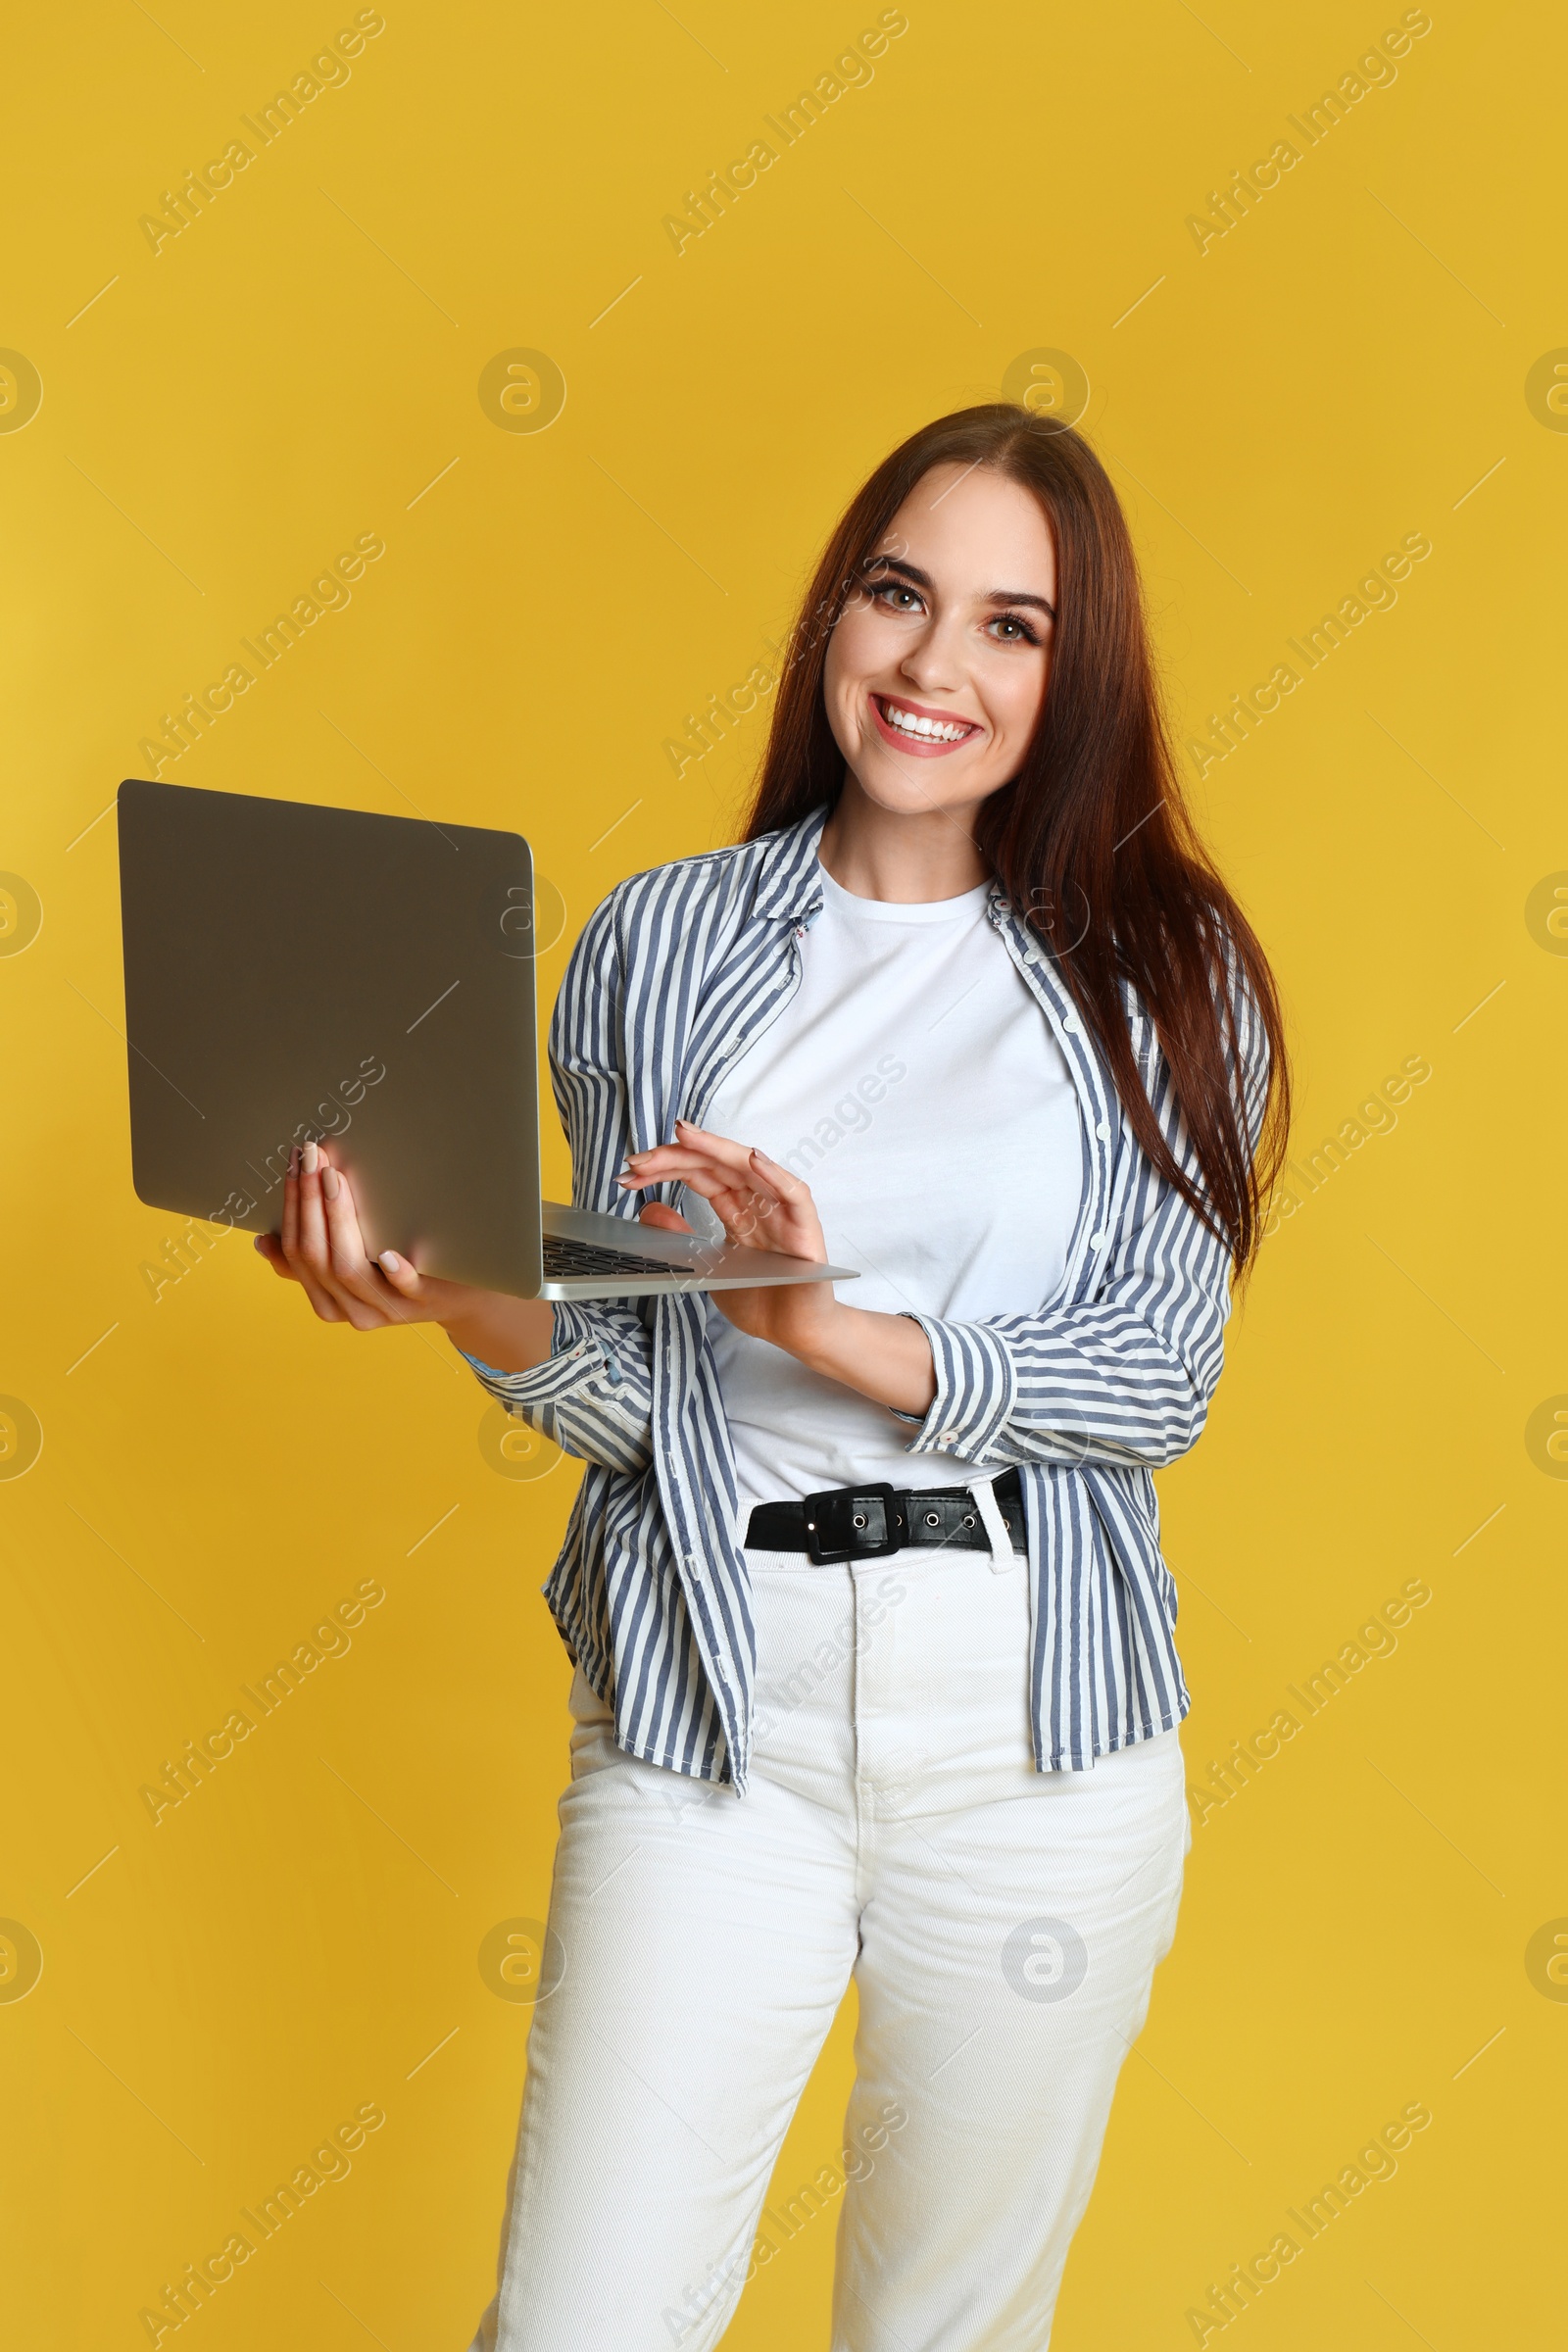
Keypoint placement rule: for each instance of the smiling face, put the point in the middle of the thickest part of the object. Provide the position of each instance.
(936, 672)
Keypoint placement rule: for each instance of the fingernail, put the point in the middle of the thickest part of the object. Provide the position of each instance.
(294, 1162)
(391, 1260)
(257, 1243)
(329, 1184)
(312, 1156)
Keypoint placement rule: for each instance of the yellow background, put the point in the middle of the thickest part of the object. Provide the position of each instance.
(222, 1990)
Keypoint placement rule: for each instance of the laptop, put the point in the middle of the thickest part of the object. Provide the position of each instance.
(296, 974)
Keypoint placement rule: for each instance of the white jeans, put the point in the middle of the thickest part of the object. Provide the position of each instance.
(1001, 1926)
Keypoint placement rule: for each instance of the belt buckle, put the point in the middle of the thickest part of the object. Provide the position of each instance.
(838, 1528)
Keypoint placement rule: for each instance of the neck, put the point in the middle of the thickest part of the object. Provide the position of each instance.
(877, 852)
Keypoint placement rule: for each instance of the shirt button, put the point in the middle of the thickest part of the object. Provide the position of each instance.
(1070, 1023)
(1103, 1130)
(1099, 1239)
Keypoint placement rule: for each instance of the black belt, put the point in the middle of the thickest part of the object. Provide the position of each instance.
(866, 1523)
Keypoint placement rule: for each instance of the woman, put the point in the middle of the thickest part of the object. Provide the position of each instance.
(875, 1644)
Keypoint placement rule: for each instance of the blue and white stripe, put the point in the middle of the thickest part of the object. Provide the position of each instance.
(674, 977)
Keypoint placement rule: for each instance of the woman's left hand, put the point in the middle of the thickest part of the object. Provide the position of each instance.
(760, 1207)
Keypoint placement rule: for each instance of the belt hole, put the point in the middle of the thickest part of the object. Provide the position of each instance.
(860, 1519)
(969, 1520)
(932, 1519)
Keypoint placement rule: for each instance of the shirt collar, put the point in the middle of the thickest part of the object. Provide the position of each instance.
(789, 882)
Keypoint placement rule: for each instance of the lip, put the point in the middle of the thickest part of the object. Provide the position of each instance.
(911, 743)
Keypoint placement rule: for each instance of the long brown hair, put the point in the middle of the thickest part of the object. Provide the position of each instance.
(1091, 839)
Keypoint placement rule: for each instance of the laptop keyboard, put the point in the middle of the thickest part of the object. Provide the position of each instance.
(565, 1260)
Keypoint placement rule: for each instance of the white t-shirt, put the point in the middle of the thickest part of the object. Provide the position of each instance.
(914, 1083)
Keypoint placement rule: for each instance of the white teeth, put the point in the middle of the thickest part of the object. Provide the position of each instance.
(934, 730)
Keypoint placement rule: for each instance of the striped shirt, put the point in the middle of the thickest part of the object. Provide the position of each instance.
(676, 975)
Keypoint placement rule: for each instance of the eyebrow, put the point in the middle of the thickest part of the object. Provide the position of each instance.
(993, 596)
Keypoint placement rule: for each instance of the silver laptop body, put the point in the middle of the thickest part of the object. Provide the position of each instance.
(296, 973)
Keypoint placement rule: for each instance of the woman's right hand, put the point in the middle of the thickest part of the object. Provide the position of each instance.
(322, 1249)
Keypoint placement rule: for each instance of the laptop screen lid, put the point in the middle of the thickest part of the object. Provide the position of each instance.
(296, 973)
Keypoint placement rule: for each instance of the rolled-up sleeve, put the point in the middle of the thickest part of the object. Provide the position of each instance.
(592, 1396)
(1095, 1382)
(593, 1393)
(1124, 1376)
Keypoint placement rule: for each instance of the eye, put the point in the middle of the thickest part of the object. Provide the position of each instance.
(883, 592)
(1019, 631)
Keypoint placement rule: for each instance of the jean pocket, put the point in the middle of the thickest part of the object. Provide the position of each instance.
(592, 1722)
(585, 1703)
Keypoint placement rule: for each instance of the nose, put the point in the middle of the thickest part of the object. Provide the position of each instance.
(934, 662)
